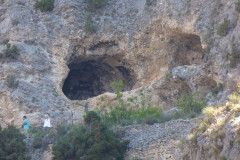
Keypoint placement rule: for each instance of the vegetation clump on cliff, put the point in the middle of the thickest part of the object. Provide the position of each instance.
(89, 25)
(134, 110)
(138, 109)
(92, 141)
(12, 146)
(191, 104)
(234, 56)
(222, 29)
(44, 5)
(11, 52)
(12, 82)
(93, 6)
(237, 6)
(215, 127)
(96, 4)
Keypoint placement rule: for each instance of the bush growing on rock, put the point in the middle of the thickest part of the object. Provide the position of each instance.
(137, 110)
(215, 127)
(42, 138)
(235, 96)
(134, 110)
(12, 82)
(37, 141)
(44, 5)
(10, 52)
(148, 2)
(1, 56)
(92, 141)
(89, 26)
(93, 5)
(234, 57)
(237, 6)
(150, 120)
(190, 104)
(12, 146)
(96, 4)
(217, 89)
(222, 29)
(122, 115)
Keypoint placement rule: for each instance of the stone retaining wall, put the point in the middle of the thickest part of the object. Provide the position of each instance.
(158, 141)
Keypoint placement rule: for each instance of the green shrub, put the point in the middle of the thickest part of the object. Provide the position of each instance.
(148, 2)
(44, 5)
(203, 126)
(94, 141)
(194, 139)
(178, 114)
(15, 22)
(222, 29)
(136, 110)
(37, 142)
(1, 56)
(118, 86)
(150, 120)
(12, 82)
(89, 25)
(237, 6)
(30, 42)
(191, 103)
(235, 96)
(234, 57)
(191, 115)
(21, 3)
(102, 98)
(93, 5)
(121, 115)
(217, 89)
(10, 52)
(38, 138)
(5, 41)
(12, 146)
(131, 111)
(126, 122)
(96, 4)
(210, 111)
(91, 117)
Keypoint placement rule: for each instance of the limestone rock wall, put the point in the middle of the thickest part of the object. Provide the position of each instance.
(165, 43)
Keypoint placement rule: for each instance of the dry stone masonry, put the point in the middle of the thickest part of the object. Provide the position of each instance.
(158, 141)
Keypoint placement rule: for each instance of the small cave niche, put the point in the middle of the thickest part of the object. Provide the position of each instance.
(186, 49)
(92, 76)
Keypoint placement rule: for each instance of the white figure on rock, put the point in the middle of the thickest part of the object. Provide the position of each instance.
(47, 123)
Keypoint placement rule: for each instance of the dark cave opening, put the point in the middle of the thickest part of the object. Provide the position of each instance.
(90, 77)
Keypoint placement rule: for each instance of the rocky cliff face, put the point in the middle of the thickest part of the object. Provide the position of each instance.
(168, 46)
(216, 136)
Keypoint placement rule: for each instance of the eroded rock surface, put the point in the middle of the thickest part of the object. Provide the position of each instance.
(169, 47)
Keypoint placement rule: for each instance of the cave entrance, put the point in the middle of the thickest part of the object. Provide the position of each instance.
(92, 76)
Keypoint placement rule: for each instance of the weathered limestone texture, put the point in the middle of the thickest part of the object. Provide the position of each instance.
(218, 137)
(168, 46)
